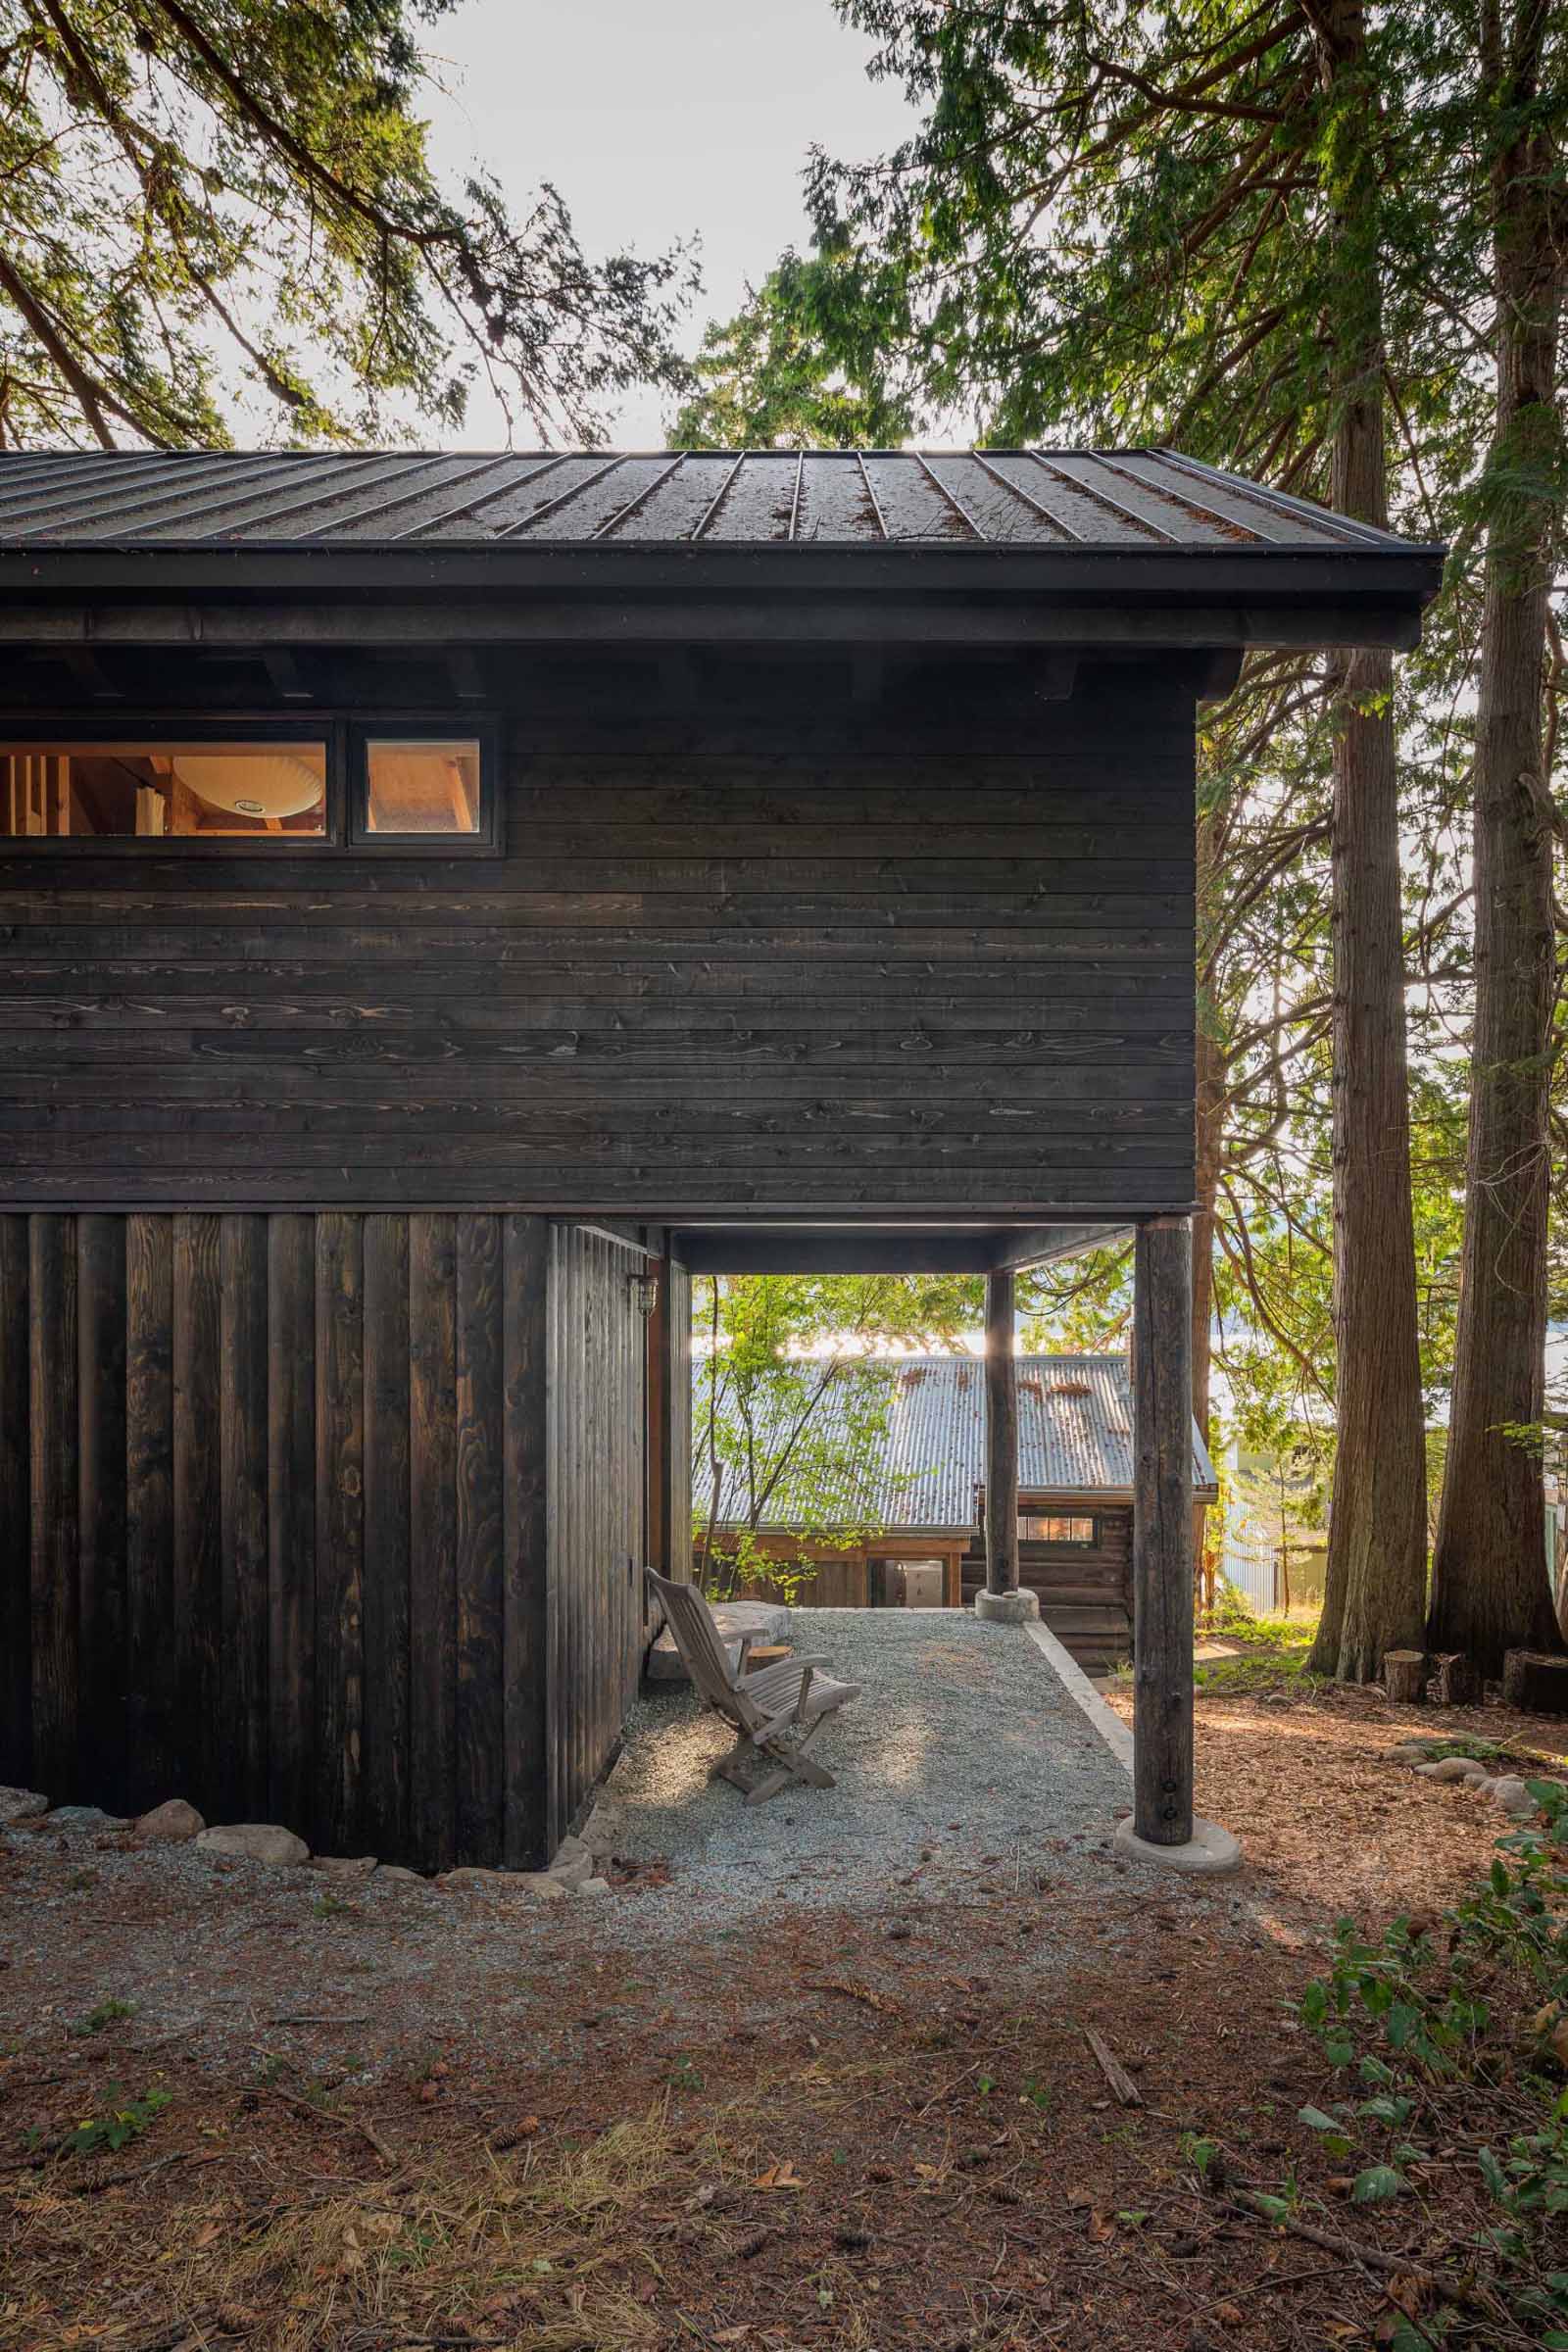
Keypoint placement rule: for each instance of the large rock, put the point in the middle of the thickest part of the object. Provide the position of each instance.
(1511, 1792)
(257, 1842)
(763, 1620)
(173, 1822)
(21, 1804)
(1446, 1768)
(83, 1817)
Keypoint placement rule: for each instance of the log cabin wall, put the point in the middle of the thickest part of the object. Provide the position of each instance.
(1085, 1589)
(787, 952)
(273, 1494)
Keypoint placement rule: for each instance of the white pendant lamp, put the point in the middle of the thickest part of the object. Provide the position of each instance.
(263, 784)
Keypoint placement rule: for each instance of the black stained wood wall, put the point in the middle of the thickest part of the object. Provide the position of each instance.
(784, 954)
(595, 1436)
(274, 1505)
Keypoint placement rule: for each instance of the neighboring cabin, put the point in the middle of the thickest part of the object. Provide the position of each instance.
(913, 1523)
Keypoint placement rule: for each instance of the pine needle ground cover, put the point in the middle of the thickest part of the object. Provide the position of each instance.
(631, 2124)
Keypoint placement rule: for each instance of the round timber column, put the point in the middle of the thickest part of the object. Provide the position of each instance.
(1001, 1436)
(1162, 1532)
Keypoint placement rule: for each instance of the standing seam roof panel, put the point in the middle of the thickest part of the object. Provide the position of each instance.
(1133, 501)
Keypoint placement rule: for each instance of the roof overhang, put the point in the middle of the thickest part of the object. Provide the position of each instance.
(965, 595)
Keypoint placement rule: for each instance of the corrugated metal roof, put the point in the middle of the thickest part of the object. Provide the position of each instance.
(1075, 1418)
(1124, 501)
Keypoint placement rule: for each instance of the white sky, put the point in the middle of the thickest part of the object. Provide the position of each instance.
(657, 123)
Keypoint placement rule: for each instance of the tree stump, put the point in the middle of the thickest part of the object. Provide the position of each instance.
(1536, 1680)
(1458, 1679)
(1405, 1676)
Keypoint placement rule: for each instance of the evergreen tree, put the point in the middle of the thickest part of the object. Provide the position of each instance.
(204, 203)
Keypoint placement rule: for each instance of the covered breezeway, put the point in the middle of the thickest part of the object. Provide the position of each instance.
(1162, 1816)
(966, 1762)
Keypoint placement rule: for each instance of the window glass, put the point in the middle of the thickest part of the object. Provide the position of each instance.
(413, 784)
(154, 791)
(1050, 1527)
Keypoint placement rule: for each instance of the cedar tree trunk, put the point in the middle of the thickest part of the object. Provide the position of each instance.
(1209, 1141)
(1376, 1587)
(1491, 1587)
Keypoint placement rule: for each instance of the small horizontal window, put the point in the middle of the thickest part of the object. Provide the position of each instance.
(417, 785)
(151, 790)
(1042, 1527)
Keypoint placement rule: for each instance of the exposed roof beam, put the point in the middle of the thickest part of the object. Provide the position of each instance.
(1043, 1245)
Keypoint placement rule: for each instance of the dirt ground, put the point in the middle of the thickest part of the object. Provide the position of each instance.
(385, 2117)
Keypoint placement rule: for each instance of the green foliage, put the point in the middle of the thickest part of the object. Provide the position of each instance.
(108, 2013)
(765, 379)
(195, 191)
(1432, 2018)
(116, 2125)
(777, 1426)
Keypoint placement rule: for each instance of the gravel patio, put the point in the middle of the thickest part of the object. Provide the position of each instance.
(963, 1756)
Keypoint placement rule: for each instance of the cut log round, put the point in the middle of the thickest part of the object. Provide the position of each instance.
(1536, 1680)
(1405, 1676)
(1458, 1681)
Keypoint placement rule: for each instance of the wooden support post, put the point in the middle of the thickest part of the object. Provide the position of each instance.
(1002, 1438)
(1163, 1533)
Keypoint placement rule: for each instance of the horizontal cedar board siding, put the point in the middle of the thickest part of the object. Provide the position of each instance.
(272, 1500)
(1085, 1591)
(852, 963)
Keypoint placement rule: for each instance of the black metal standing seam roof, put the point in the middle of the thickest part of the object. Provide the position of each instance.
(1122, 501)
(1075, 1417)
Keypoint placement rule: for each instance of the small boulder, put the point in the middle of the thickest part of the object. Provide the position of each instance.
(594, 1886)
(173, 1822)
(1476, 1775)
(344, 1866)
(541, 1884)
(397, 1872)
(1446, 1768)
(571, 1869)
(21, 1804)
(257, 1842)
(1511, 1792)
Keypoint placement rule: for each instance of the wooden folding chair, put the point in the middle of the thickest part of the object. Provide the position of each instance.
(776, 1712)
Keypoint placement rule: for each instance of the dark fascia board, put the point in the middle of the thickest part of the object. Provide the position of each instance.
(706, 581)
(827, 622)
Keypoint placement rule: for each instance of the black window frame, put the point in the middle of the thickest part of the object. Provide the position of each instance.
(345, 735)
(363, 731)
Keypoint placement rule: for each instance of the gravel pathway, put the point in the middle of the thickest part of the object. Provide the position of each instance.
(963, 1757)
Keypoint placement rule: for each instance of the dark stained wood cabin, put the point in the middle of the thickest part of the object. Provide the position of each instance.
(444, 901)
